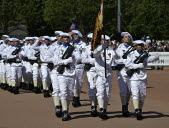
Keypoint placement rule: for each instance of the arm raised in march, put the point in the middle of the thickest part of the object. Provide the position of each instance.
(35, 45)
(97, 52)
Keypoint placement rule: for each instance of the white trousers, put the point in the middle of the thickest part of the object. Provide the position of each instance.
(45, 73)
(24, 75)
(36, 71)
(79, 78)
(8, 70)
(104, 86)
(91, 79)
(16, 73)
(124, 84)
(55, 83)
(138, 89)
(66, 86)
(2, 68)
(29, 72)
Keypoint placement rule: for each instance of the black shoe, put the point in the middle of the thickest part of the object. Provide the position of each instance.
(58, 111)
(138, 113)
(94, 112)
(5, 86)
(51, 88)
(66, 116)
(37, 90)
(76, 102)
(2, 85)
(102, 114)
(125, 111)
(46, 94)
(31, 87)
(16, 90)
(26, 86)
(10, 89)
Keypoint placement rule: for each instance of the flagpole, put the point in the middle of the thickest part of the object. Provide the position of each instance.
(104, 43)
(104, 53)
(119, 17)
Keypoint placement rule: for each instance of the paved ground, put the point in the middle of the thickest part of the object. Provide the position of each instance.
(28, 110)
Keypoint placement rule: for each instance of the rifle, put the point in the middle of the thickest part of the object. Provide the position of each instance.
(119, 67)
(17, 50)
(66, 55)
(37, 54)
(140, 59)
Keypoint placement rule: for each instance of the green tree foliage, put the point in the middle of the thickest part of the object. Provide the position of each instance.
(43, 17)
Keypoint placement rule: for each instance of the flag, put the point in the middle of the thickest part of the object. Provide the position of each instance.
(73, 26)
(98, 28)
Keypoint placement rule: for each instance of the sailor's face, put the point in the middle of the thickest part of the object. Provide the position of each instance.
(140, 47)
(58, 38)
(126, 38)
(16, 43)
(65, 39)
(74, 35)
(31, 41)
(47, 41)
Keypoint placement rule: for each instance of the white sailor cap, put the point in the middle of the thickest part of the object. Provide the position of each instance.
(128, 34)
(15, 40)
(5, 36)
(77, 32)
(147, 37)
(66, 34)
(26, 38)
(148, 41)
(139, 42)
(35, 38)
(53, 38)
(30, 38)
(47, 37)
(58, 32)
(90, 35)
(105, 37)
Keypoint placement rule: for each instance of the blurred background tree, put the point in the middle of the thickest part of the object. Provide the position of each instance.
(146, 17)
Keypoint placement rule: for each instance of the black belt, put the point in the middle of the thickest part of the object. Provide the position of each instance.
(25, 59)
(32, 61)
(13, 61)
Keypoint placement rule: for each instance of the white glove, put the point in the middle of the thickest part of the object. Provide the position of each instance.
(140, 65)
(124, 61)
(67, 61)
(92, 61)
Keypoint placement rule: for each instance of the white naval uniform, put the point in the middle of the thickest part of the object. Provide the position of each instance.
(16, 68)
(138, 81)
(35, 71)
(54, 74)
(2, 65)
(103, 85)
(91, 74)
(26, 71)
(45, 57)
(123, 79)
(7, 65)
(79, 69)
(67, 79)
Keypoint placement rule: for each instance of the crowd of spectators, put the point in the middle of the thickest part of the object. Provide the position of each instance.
(162, 47)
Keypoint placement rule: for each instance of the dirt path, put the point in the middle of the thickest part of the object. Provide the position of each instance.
(28, 110)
